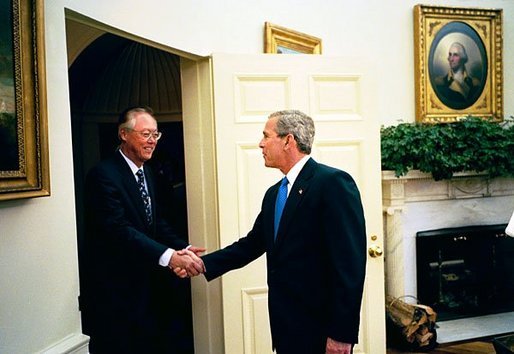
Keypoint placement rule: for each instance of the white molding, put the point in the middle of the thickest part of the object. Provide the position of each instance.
(256, 337)
(417, 186)
(74, 344)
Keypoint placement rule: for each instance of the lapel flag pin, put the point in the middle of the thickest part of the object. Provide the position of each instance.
(300, 191)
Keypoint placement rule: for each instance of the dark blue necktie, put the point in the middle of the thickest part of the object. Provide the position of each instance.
(144, 195)
(280, 203)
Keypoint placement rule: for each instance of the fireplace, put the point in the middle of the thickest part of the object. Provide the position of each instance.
(416, 203)
(465, 271)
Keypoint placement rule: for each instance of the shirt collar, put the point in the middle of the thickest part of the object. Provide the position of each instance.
(295, 171)
(452, 75)
(131, 164)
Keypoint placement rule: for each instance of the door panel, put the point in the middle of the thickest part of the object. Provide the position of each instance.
(338, 93)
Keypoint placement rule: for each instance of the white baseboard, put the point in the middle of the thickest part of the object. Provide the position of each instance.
(73, 344)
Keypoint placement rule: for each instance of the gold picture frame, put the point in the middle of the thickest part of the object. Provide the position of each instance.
(281, 40)
(458, 63)
(24, 165)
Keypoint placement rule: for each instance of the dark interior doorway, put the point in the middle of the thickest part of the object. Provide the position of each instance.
(109, 75)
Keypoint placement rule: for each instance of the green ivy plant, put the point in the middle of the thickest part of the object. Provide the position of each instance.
(471, 144)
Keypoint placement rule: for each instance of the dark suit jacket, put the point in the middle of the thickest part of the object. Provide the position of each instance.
(126, 295)
(316, 266)
(453, 98)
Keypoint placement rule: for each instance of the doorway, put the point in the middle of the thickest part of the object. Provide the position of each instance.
(107, 75)
(218, 112)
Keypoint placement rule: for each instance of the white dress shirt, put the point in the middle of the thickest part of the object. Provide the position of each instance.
(295, 171)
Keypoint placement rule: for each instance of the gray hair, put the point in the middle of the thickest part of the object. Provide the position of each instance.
(127, 119)
(462, 51)
(299, 124)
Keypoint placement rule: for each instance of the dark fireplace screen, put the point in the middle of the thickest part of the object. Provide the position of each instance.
(466, 271)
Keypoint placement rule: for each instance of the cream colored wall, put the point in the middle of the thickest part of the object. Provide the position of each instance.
(38, 263)
(379, 29)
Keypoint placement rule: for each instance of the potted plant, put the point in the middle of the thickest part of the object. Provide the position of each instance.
(471, 144)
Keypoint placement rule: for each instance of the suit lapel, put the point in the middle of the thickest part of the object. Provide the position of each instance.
(129, 182)
(295, 198)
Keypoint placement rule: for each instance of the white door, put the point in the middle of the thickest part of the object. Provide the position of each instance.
(338, 93)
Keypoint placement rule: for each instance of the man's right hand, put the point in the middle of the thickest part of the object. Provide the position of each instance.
(188, 262)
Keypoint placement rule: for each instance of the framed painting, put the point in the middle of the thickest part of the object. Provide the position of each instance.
(281, 40)
(24, 170)
(458, 63)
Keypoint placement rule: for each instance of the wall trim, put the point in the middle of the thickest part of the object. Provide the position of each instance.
(417, 186)
(73, 344)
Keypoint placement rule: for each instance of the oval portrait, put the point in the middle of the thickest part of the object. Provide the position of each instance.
(457, 65)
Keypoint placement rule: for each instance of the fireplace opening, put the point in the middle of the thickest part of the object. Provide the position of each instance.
(465, 271)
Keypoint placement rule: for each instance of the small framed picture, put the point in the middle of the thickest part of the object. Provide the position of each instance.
(281, 40)
(458, 63)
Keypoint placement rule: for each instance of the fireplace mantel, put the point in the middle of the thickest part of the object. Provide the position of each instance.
(417, 186)
(415, 201)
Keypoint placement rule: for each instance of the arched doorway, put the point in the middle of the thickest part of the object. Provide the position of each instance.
(107, 75)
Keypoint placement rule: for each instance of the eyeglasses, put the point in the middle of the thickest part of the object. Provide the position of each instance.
(147, 134)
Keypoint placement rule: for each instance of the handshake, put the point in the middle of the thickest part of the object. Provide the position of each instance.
(187, 262)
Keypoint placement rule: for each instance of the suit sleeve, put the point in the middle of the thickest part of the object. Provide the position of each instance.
(165, 233)
(110, 217)
(167, 236)
(236, 255)
(345, 235)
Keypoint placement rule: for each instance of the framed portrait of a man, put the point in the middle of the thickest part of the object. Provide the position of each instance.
(458, 62)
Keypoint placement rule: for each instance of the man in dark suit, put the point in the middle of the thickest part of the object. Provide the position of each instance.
(130, 251)
(316, 253)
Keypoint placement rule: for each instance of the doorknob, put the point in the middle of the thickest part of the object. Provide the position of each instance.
(375, 251)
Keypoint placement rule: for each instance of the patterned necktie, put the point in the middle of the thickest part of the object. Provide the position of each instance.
(280, 203)
(144, 195)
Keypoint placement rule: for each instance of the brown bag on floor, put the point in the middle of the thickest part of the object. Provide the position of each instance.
(410, 326)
